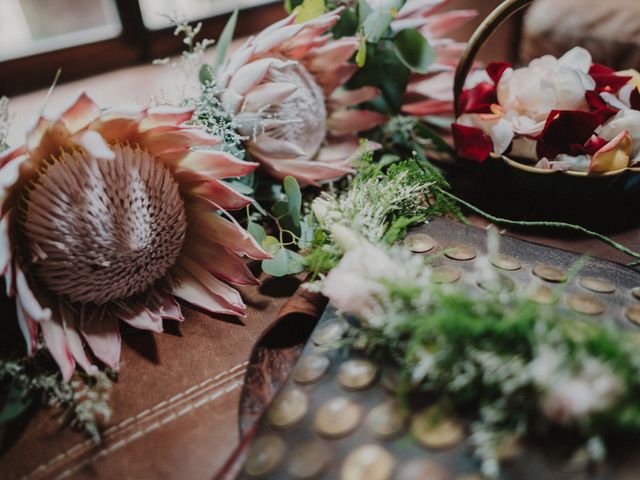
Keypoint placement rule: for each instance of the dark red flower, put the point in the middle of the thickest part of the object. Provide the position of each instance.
(606, 79)
(635, 99)
(496, 69)
(471, 143)
(599, 106)
(563, 130)
(478, 99)
(590, 147)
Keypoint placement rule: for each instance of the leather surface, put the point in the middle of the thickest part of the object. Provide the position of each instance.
(174, 406)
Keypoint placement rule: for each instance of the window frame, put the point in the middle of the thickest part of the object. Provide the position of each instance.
(136, 44)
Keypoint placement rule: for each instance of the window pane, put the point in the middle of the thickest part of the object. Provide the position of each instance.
(157, 14)
(35, 26)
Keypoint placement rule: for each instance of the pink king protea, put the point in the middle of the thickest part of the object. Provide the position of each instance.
(109, 215)
(282, 86)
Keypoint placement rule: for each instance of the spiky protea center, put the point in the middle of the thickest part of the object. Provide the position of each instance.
(101, 230)
(302, 117)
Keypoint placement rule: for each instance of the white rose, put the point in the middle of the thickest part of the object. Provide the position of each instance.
(628, 120)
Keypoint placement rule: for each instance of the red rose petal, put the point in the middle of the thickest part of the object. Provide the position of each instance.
(599, 106)
(478, 99)
(635, 99)
(590, 147)
(496, 69)
(563, 129)
(599, 69)
(471, 143)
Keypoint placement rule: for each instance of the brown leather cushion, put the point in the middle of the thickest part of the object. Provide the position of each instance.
(609, 29)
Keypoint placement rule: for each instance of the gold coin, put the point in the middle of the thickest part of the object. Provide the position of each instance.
(309, 460)
(445, 274)
(356, 374)
(418, 469)
(505, 262)
(288, 409)
(599, 285)
(390, 379)
(501, 283)
(586, 304)
(549, 273)
(330, 332)
(636, 293)
(459, 251)
(265, 456)
(386, 420)
(368, 462)
(433, 430)
(337, 417)
(420, 242)
(543, 295)
(633, 314)
(310, 369)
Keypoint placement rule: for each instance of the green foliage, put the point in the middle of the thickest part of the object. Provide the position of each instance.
(310, 9)
(414, 50)
(226, 37)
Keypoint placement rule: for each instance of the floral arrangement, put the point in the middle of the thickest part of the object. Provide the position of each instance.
(517, 370)
(561, 114)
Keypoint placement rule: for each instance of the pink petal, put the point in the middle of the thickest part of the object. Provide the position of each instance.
(354, 97)
(103, 337)
(80, 114)
(265, 94)
(11, 153)
(74, 341)
(28, 327)
(332, 55)
(191, 290)
(272, 39)
(420, 7)
(170, 309)
(93, 143)
(159, 142)
(251, 74)
(306, 172)
(441, 24)
(10, 173)
(344, 122)
(428, 107)
(143, 319)
(28, 300)
(437, 87)
(275, 148)
(220, 261)
(227, 233)
(238, 59)
(5, 243)
(56, 341)
(339, 152)
(212, 163)
(332, 79)
(221, 195)
(275, 26)
(227, 294)
(165, 116)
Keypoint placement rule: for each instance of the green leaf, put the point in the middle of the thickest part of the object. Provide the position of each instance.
(271, 245)
(414, 50)
(347, 25)
(440, 143)
(361, 54)
(296, 262)
(278, 266)
(290, 5)
(294, 198)
(257, 231)
(239, 186)
(15, 403)
(206, 74)
(225, 40)
(309, 10)
(376, 25)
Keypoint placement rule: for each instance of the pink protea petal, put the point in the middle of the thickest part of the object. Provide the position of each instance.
(103, 337)
(437, 87)
(228, 295)
(276, 26)
(428, 107)
(220, 194)
(450, 52)
(159, 143)
(56, 342)
(339, 152)
(220, 261)
(28, 300)
(420, 7)
(119, 124)
(268, 93)
(5, 242)
(330, 80)
(93, 143)
(11, 153)
(74, 341)
(306, 172)
(270, 40)
(10, 174)
(331, 55)
(238, 59)
(441, 24)
(28, 327)
(251, 74)
(343, 122)
(348, 98)
(211, 163)
(80, 114)
(143, 319)
(191, 290)
(225, 232)
(170, 309)
(265, 146)
(165, 116)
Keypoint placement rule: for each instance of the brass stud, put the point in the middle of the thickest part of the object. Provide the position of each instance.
(420, 242)
(543, 295)
(635, 292)
(386, 420)
(501, 283)
(390, 380)
(505, 262)
(310, 369)
(330, 332)
(549, 273)
(265, 456)
(461, 252)
(309, 460)
(445, 274)
(337, 417)
(433, 430)
(586, 304)
(598, 285)
(419, 469)
(356, 374)
(288, 409)
(633, 314)
(368, 462)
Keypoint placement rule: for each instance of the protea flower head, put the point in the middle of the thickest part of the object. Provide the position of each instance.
(283, 87)
(432, 93)
(108, 216)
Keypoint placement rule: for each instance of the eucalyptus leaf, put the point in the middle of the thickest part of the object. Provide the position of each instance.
(278, 266)
(257, 231)
(290, 5)
(414, 50)
(271, 245)
(310, 9)
(239, 186)
(376, 25)
(15, 403)
(295, 262)
(225, 40)
(294, 198)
